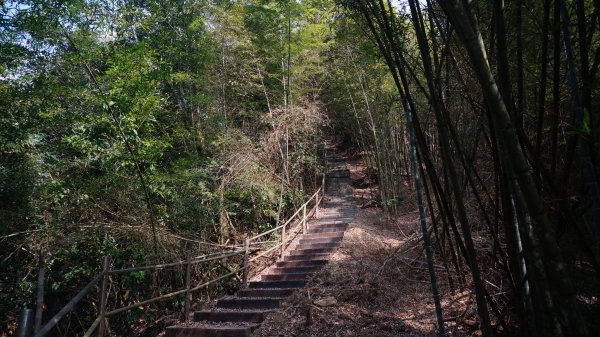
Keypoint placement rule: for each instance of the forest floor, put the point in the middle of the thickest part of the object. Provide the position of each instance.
(376, 284)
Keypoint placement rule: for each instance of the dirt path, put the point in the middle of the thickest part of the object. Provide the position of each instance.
(374, 285)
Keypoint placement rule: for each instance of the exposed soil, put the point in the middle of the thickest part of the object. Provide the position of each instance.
(376, 284)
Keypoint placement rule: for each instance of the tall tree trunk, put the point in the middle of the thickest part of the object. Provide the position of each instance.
(555, 88)
(591, 189)
(222, 80)
(542, 95)
(520, 88)
(262, 83)
(445, 148)
(423, 223)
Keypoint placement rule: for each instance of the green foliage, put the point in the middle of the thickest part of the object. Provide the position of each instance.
(187, 95)
(189, 192)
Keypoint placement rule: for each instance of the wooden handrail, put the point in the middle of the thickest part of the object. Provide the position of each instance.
(288, 220)
(295, 231)
(204, 258)
(180, 263)
(68, 307)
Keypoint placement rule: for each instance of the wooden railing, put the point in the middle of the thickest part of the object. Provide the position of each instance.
(253, 249)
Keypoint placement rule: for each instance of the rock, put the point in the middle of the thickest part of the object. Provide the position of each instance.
(326, 301)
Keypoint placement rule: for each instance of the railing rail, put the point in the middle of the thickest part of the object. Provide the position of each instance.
(300, 216)
(208, 257)
(315, 195)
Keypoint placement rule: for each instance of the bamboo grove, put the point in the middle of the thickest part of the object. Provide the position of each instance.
(502, 96)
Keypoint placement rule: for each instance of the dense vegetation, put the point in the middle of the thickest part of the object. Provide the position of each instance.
(123, 123)
(126, 122)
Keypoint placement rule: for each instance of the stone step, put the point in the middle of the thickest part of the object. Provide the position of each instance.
(311, 251)
(317, 245)
(320, 229)
(294, 270)
(285, 277)
(335, 221)
(276, 284)
(336, 216)
(339, 212)
(345, 213)
(307, 257)
(257, 292)
(210, 330)
(251, 316)
(320, 241)
(322, 236)
(338, 207)
(295, 264)
(334, 206)
(239, 315)
(339, 198)
(248, 303)
(341, 226)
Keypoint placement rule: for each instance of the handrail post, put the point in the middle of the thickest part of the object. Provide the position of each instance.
(25, 323)
(40, 292)
(102, 326)
(324, 170)
(282, 248)
(304, 219)
(245, 266)
(188, 280)
(317, 203)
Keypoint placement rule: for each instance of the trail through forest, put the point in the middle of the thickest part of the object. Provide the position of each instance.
(146, 145)
(376, 283)
(308, 250)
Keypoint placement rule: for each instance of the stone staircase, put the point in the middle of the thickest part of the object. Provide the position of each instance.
(239, 315)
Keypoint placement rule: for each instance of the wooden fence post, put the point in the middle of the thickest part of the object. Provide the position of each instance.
(282, 248)
(188, 280)
(245, 265)
(25, 324)
(324, 171)
(317, 204)
(304, 219)
(102, 309)
(40, 292)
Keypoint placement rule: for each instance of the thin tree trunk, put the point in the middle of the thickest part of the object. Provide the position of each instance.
(288, 93)
(591, 189)
(262, 82)
(422, 222)
(542, 95)
(222, 80)
(555, 89)
(520, 88)
(466, 25)
(445, 148)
